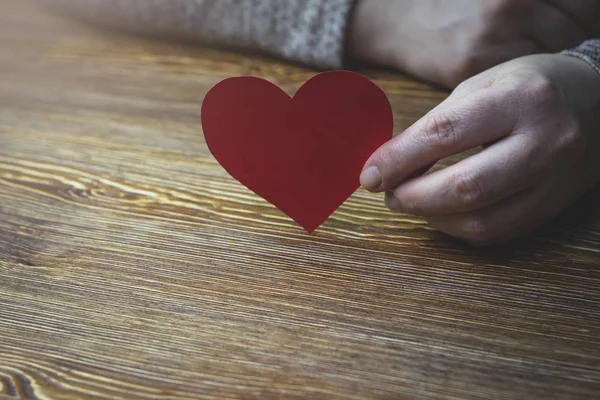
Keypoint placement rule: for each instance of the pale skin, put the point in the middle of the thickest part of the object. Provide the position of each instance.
(447, 42)
(536, 117)
(538, 120)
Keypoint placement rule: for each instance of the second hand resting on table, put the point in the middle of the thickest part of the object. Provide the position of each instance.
(536, 116)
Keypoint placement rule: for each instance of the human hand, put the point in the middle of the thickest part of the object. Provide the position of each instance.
(449, 41)
(538, 119)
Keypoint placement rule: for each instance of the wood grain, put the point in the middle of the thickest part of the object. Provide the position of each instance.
(133, 267)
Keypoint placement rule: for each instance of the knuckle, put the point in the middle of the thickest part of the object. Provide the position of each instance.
(410, 206)
(440, 131)
(468, 190)
(463, 88)
(478, 230)
(407, 203)
(571, 140)
(541, 91)
(573, 148)
(392, 202)
(389, 163)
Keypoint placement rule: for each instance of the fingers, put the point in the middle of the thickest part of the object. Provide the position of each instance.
(513, 217)
(453, 127)
(476, 182)
(554, 29)
(586, 13)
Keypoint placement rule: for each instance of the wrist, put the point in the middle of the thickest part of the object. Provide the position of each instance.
(373, 32)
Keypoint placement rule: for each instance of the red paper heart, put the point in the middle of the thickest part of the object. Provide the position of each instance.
(305, 154)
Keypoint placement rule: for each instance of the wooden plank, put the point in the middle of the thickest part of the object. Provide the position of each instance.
(132, 266)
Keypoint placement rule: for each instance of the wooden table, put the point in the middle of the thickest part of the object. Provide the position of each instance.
(133, 267)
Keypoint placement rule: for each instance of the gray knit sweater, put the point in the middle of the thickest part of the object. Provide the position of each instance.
(309, 31)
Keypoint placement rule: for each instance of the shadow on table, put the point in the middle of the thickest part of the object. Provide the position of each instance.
(577, 227)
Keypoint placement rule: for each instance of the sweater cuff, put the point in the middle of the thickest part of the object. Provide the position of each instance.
(311, 32)
(318, 33)
(588, 51)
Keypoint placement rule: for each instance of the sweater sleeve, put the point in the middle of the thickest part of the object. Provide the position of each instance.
(312, 32)
(588, 51)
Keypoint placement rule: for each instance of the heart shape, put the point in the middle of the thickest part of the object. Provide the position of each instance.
(302, 154)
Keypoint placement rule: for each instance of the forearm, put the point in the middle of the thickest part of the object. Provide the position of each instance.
(588, 51)
(308, 31)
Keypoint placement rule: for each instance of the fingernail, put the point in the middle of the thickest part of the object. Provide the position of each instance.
(370, 178)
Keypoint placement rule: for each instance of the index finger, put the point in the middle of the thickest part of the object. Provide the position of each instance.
(455, 126)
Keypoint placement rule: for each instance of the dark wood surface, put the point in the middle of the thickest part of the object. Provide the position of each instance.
(133, 267)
